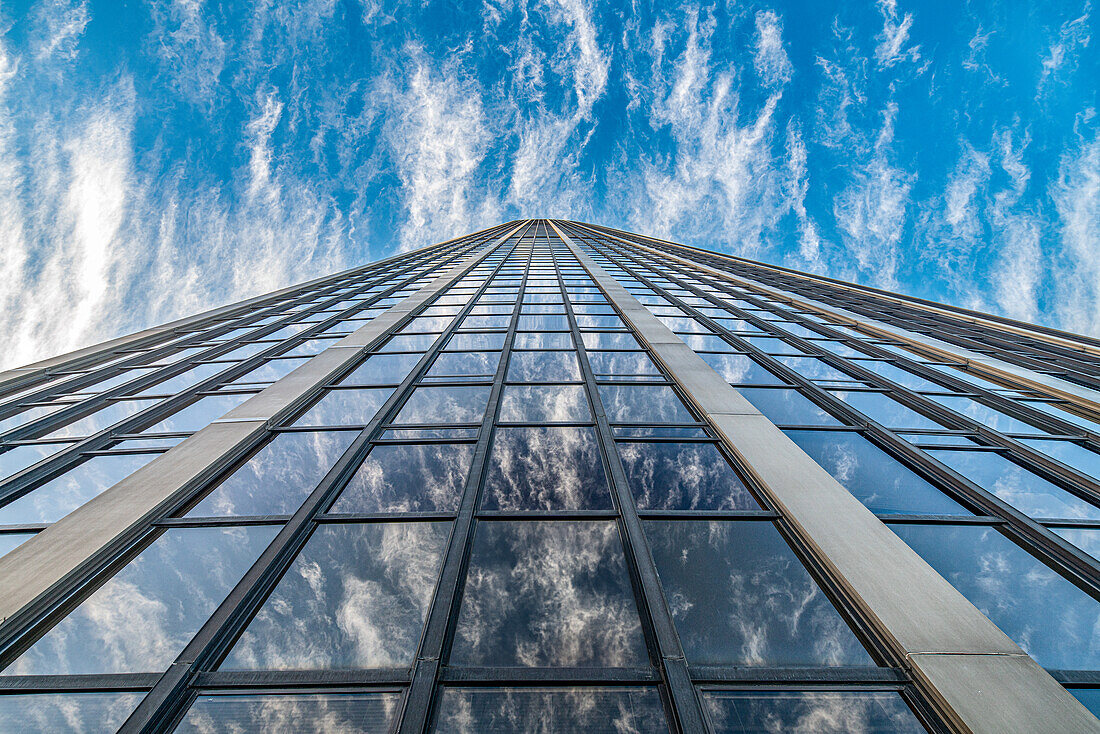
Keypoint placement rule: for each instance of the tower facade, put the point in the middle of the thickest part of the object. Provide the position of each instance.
(554, 477)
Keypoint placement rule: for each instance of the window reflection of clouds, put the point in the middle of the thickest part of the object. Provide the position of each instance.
(805, 711)
(543, 367)
(551, 403)
(643, 404)
(787, 407)
(61, 495)
(545, 469)
(875, 478)
(739, 596)
(355, 597)
(1027, 492)
(622, 363)
(323, 712)
(464, 364)
(408, 478)
(444, 405)
(551, 711)
(76, 713)
(279, 477)
(383, 369)
(1050, 618)
(345, 408)
(683, 476)
(544, 594)
(142, 617)
(199, 414)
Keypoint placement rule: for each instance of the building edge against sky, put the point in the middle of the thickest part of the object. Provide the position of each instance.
(557, 471)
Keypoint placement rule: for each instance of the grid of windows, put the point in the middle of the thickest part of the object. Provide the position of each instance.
(505, 515)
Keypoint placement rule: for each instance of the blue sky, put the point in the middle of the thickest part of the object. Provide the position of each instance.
(161, 158)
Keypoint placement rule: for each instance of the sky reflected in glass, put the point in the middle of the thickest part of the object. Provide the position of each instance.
(545, 469)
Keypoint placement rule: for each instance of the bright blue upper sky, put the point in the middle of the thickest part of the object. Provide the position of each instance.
(157, 159)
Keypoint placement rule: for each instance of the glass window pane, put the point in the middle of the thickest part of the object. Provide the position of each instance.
(543, 340)
(885, 410)
(444, 405)
(622, 363)
(299, 712)
(408, 478)
(739, 369)
(11, 541)
(97, 421)
(683, 476)
(141, 619)
(409, 343)
(270, 371)
(543, 594)
(543, 367)
(1087, 539)
(1050, 618)
(1015, 485)
(610, 340)
(20, 457)
(185, 379)
(1072, 455)
(345, 408)
(787, 407)
(60, 713)
(643, 404)
(277, 480)
(61, 495)
(383, 369)
(741, 597)
(467, 341)
(805, 711)
(464, 364)
(198, 414)
(873, 476)
(550, 403)
(1090, 697)
(545, 469)
(982, 413)
(355, 597)
(551, 711)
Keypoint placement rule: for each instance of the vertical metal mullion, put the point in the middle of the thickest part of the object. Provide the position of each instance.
(420, 702)
(164, 704)
(687, 712)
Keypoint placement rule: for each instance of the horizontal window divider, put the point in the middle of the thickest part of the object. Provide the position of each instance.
(902, 518)
(13, 684)
(221, 521)
(1077, 678)
(509, 676)
(708, 515)
(30, 527)
(551, 515)
(235, 679)
(377, 517)
(717, 674)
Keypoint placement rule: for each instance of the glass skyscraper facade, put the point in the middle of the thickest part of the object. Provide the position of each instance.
(554, 477)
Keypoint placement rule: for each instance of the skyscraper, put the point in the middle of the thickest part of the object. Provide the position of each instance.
(555, 477)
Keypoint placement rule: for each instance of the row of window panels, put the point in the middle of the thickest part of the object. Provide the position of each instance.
(483, 710)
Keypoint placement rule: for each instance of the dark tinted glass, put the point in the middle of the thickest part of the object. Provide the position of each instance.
(787, 407)
(543, 367)
(61, 495)
(302, 712)
(355, 597)
(345, 408)
(545, 469)
(143, 616)
(1015, 485)
(279, 478)
(683, 476)
(66, 713)
(541, 594)
(741, 597)
(445, 405)
(1050, 618)
(643, 404)
(551, 711)
(873, 476)
(544, 403)
(809, 711)
(408, 478)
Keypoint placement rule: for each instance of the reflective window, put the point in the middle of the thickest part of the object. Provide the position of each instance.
(444, 405)
(739, 596)
(1072, 455)
(867, 712)
(345, 408)
(299, 712)
(1087, 539)
(383, 369)
(146, 613)
(543, 594)
(683, 476)
(277, 480)
(1015, 485)
(982, 413)
(885, 410)
(408, 478)
(549, 403)
(468, 341)
(543, 367)
(787, 407)
(11, 541)
(184, 380)
(643, 404)
(409, 343)
(609, 340)
(622, 364)
(62, 713)
(356, 597)
(464, 365)
(873, 476)
(199, 414)
(545, 469)
(739, 369)
(102, 418)
(551, 711)
(61, 495)
(543, 340)
(1050, 618)
(20, 457)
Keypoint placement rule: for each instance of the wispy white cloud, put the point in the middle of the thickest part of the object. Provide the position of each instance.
(1062, 57)
(60, 26)
(798, 177)
(1076, 194)
(770, 59)
(191, 52)
(891, 49)
(1016, 236)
